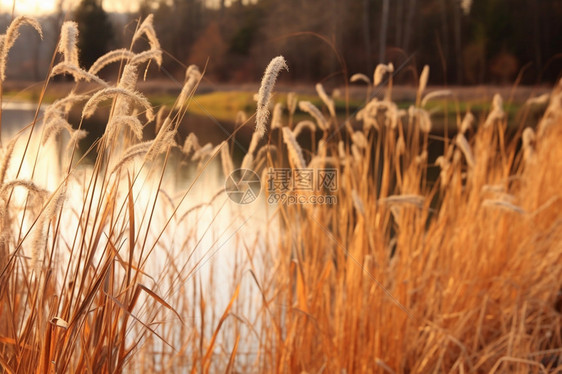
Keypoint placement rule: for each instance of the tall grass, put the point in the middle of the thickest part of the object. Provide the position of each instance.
(111, 267)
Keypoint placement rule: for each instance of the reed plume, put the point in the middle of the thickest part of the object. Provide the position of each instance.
(264, 93)
(68, 44)
(295, 151)
(8, 39)
(308, 107)
(328, 101)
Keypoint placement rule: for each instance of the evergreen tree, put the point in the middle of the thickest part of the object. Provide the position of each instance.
(96, 32)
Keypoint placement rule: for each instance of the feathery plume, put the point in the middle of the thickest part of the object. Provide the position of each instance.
(303, 125)
(277, 117)
(241, 117)
(359, 139)
(434, 94)
(8, 151)
(54, 127)
(109, 58)
(131, 153)
(462, 143)
(528, 139)
(30, 186)
(163, 140)
(159, 118)
(110, 92)
(467, 122)
(424, 76)
(191, 144)
(151, 54)
(292, 102)
(359, 77)
(12, 33)
(295, 151)
(265, 150)
(380, 72)
(39, 238)
(226, 159)
(192, 78)
(264, 93)
(308, 107)
(422, 117)
(68, 43)
(341, 150)
(202, 152)
(497, 113)
(326, 99)
(131, 122)
(77, 73)
(147, 28)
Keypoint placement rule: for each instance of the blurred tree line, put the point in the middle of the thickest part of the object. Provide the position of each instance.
(465, 42)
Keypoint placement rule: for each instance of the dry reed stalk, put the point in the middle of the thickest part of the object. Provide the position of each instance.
(131, 153)
(497, 113)
(433, 95)
(277, 117)
(203, 152)
(308, 107)
(360, 77)
(424, 77)
(462, 143)
(528, 139)
(467, 122)
(77, 73)
(268, 149)
(309, 125)
(8, 39)
(294, 149)
(111, 92)
(6, 157)
(359, 139)
(292, 102)
(164, 140)
(68, 44)
(415, 200)
(328, 101)
(109, 58)
(380, 71)
(226, 159)
(248, 162)
(264, 93)
(422, 118)
(192, 79)
(191, 144)
(147, 29)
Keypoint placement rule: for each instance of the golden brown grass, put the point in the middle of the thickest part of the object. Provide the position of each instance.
(103, 273)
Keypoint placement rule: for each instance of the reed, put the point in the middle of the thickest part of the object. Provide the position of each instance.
(122, 266)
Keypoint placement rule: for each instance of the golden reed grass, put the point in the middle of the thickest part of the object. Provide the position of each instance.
(396, 273)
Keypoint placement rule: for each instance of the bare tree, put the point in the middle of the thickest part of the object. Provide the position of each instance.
(384, 29)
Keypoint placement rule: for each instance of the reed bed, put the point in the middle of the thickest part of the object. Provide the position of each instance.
(114, 266)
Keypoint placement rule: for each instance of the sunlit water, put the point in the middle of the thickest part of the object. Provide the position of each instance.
(202, 232)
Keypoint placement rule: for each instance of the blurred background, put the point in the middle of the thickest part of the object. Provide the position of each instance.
(465, 42)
